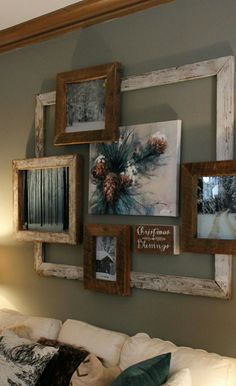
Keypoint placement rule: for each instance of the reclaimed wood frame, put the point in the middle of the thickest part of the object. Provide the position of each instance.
(79, 15)
(223, 69)
(73, 234)
(122, 234)
(190, 242)
(111, 74)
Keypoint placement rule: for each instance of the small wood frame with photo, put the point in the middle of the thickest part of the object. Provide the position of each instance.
(88, 105)
(107, 258)
(47, 199)
(209, 207)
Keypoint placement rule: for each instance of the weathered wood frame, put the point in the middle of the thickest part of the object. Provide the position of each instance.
(122, 234)
(190, 242)
(223, 69)
(73, 234)
(111, 74)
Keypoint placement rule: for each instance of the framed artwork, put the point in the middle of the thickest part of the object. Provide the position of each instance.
(88, 104)
(209, 207)
(107, 258)
(138, 175)
(46, 199)
(157, 239)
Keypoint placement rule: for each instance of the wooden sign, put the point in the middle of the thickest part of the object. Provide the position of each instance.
(159, 239)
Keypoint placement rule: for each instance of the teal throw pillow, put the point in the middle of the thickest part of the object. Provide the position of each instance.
(152, 372)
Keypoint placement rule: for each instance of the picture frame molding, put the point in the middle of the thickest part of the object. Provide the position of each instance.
(223, 68)
(70, 18)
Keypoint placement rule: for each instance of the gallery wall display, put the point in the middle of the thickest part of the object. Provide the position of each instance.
(139, 174)
(47, 199)
(107, 258)
(209, 219)
(223, 69)
(88, 105)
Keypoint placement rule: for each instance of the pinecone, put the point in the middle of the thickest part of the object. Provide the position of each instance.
(100, 169)
(125, 180)
(158, 144)
(111, 187)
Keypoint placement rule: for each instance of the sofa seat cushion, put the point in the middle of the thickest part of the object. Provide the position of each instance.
(151, 372)
(103, 343)
(40, 327)
(206, 368)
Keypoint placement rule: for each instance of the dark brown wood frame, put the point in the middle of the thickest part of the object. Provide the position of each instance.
(111, 73)
(78, 15)
(73, 235)
(122, 233)
(189, 240)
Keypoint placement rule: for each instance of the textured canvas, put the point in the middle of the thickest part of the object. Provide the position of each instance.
(139, 174)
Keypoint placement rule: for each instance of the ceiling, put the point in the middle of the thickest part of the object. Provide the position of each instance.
(17, 11)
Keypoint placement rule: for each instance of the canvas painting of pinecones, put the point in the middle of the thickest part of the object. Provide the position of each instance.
(139, 174)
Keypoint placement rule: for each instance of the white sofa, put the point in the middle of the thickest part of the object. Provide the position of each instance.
(117, 349)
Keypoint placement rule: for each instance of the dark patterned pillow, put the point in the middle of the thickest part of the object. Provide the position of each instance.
(60, 369)
(21, 360)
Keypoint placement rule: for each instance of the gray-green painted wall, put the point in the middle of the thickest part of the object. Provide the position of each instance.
(178, 33)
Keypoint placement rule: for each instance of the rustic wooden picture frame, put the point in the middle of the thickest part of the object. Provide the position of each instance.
(215, 242)
(80, 106)
(72, 233)
(223, 69)
(121, 236)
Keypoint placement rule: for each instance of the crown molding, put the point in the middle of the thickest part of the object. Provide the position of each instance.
(75, 16)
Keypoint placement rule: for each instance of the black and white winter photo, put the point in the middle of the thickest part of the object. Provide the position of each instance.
(106, 258)
(85, 105)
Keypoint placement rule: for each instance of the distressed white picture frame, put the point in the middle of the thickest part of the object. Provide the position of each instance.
(223, 69)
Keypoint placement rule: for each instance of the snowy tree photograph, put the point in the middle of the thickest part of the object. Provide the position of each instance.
(138, 174)
(85, 106)
(216, 207)
(106, 258)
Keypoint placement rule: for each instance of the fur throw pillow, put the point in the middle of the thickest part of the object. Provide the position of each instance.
(60, 369)
(91, 372)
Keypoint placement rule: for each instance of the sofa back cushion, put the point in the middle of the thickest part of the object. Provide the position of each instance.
(180, 378)
(104, 343)
(141, 347)
(206, 368)
(40, 327)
